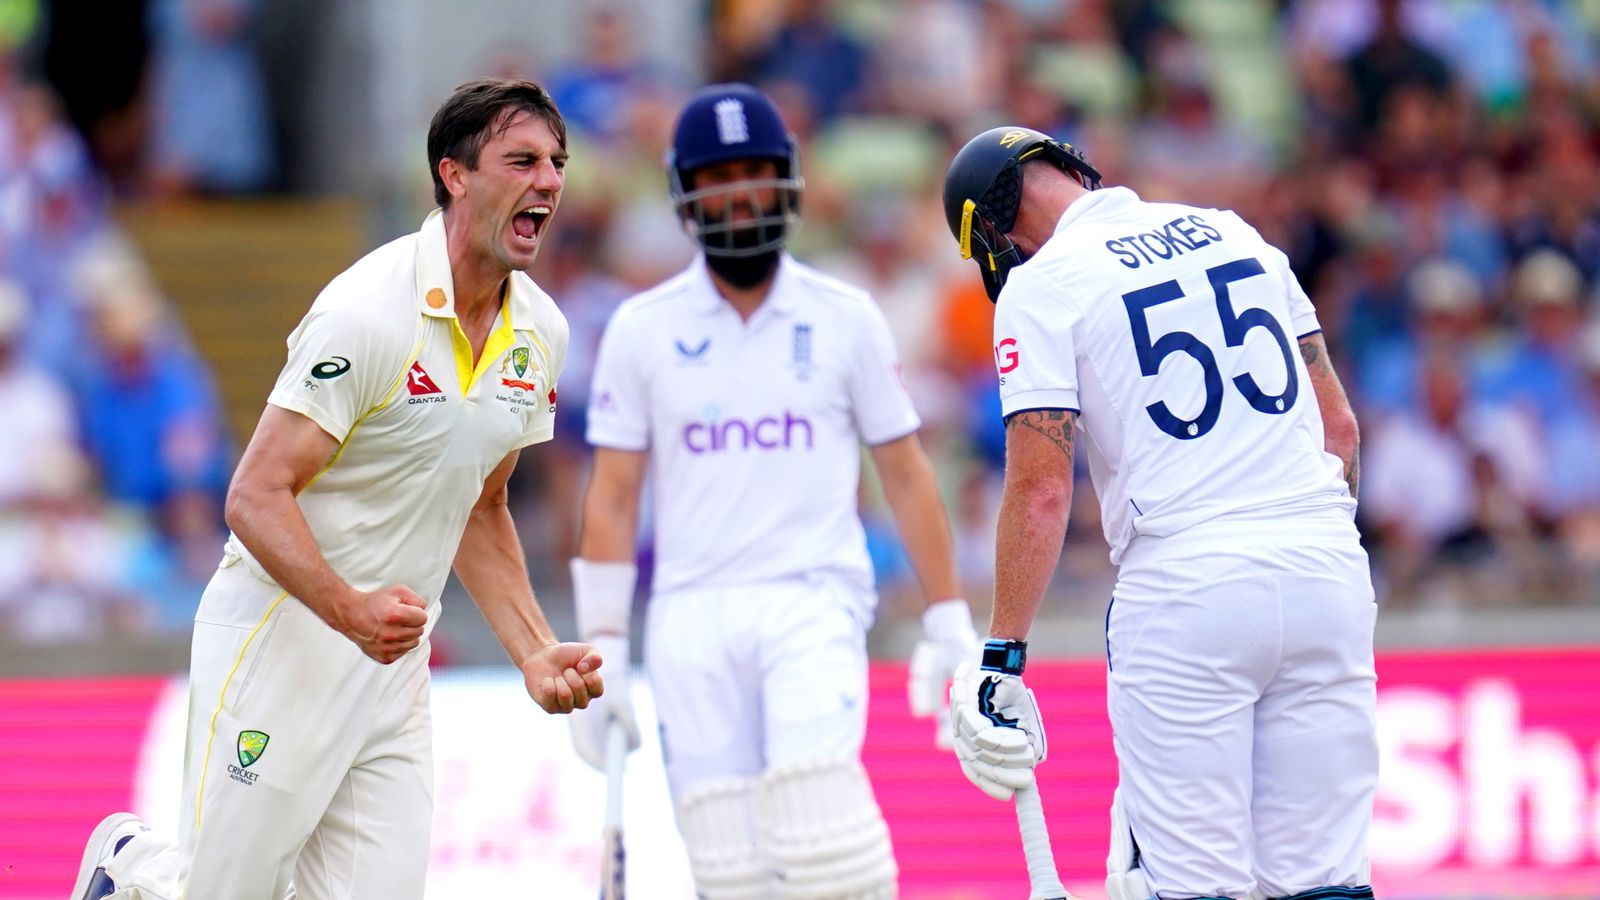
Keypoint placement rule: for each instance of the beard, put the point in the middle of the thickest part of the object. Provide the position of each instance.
(748, 269)
(744, 271)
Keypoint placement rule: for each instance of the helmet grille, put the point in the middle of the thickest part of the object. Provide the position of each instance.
(1004, 196)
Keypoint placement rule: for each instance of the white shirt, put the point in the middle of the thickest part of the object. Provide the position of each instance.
(754, 428)
(381, 363)
(1173, 331)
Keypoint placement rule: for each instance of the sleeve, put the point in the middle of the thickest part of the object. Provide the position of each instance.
(1035, 349)
(619, 414)
(878, 397)
(340, 368)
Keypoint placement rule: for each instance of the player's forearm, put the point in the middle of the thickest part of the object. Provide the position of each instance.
(491, 567)
(270, 524)
(913, 495)
(1341, 433)
(1033, 522)
(1040, 450)
(610, 522)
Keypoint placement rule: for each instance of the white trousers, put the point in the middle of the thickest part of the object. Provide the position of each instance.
(1242, 698)
(305, 762)
(755, 676)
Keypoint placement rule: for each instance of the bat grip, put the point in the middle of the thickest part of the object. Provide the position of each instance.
(1043, 882)
(616, 765)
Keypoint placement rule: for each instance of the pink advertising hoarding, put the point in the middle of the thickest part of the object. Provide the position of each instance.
(1491, 779)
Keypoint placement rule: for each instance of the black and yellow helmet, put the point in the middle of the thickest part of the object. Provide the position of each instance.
(983, 191)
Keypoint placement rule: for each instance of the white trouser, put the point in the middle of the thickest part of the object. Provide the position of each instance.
(1242, 700)
(339, 800)
(751, 677)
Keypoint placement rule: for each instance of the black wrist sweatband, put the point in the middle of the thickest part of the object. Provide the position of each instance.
(1005, 657)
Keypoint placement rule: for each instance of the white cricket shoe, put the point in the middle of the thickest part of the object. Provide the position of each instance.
(113, 832)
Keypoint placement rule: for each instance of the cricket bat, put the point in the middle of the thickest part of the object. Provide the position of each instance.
(613, 860)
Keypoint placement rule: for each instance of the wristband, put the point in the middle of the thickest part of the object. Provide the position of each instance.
(1005, 657)
(602, 596)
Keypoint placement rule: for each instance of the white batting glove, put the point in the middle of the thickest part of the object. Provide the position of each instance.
(999, 736)
(948, 641)
(589, 726)
(603, 595)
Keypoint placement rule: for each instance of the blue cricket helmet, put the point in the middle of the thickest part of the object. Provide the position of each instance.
(726, 122)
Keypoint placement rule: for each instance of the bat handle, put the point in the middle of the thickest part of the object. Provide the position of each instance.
(1043, 882)
(616, 765)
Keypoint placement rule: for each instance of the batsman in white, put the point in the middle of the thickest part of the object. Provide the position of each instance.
(1241, 687)
(381, 461)
(746, 386)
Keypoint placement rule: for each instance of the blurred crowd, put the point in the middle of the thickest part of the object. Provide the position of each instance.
(113, 450)
(1429, 166)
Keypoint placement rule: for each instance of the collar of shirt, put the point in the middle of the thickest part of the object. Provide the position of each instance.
(1103, 199)
(783, 298)
(436, 295)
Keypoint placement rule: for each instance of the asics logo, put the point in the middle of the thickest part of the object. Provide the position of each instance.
(766, 433)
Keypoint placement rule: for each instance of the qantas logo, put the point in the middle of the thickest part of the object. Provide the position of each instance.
(421, 386)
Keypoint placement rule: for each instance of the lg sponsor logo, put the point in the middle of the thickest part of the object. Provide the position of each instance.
(786, 432)
(1005, 355)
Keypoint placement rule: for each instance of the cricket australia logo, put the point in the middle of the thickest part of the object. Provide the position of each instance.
(250, 747)
(519, 360)
(732, 126)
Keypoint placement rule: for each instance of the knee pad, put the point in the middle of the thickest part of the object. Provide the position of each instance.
(718, 821)
(822, 831)
(1124, 880)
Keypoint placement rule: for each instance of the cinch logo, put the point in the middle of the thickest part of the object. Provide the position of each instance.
(765, 433)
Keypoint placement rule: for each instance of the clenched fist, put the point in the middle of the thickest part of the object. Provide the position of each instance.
(563, 677)
(386, 624)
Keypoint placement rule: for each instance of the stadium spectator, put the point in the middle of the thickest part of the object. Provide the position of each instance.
(211, 131)
(814, 51)
(95, 56)
(1543, 374)
(1573, 496)
(1392, 62)
(149, 414)
(1448, 491)
(64, 573)
(39, 415)
(596, 92)
(1447, 320)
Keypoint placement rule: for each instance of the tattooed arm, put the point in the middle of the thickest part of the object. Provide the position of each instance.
(1033, 515)
(1341, 436)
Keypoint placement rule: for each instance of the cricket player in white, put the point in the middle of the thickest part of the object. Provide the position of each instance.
(380, 461)
(1239, 639)
(746, 386)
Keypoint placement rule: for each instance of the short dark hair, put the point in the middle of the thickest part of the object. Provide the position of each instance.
(462, 125)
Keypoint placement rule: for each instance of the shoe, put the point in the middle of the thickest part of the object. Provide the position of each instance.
(110, 836)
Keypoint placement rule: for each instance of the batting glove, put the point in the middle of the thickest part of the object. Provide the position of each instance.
(948, 641)
(999, 736)
(589, 725)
